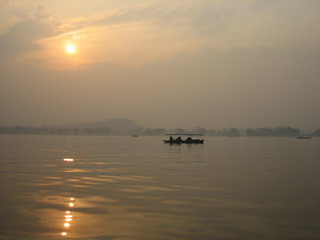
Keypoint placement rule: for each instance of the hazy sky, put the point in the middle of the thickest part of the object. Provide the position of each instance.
(188, 63)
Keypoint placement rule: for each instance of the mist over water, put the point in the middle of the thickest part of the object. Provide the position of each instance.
(81, 187)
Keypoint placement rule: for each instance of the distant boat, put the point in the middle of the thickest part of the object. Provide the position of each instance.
(134, 135)
(188, 140)
(304, 137)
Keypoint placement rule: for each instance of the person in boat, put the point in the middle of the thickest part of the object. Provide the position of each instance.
(189, 139)
(171, 138)
(178, 139)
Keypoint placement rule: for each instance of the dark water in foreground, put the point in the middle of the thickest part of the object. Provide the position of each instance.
(124, 188)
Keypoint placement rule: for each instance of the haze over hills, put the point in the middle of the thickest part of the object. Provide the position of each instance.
(126, 126)
(115, 124)
(184, 64)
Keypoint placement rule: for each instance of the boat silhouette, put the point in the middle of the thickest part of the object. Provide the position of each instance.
(188, 140)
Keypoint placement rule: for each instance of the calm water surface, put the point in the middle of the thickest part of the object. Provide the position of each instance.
(124, 188)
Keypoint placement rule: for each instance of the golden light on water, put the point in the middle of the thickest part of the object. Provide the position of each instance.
(66, 225)
(68, 159)
(68, 217)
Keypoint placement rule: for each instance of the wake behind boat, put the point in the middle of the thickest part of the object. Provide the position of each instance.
(188, 140)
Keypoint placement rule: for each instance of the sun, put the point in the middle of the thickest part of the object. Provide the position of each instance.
(71, 49)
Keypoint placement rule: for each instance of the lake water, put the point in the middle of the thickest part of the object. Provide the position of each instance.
(125, 188)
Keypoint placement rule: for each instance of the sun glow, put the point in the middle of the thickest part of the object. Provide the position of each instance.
(71, 49)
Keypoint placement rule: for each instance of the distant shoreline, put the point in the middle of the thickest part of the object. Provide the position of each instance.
(105, 131)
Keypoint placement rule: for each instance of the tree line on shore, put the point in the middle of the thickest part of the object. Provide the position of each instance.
(282, 131)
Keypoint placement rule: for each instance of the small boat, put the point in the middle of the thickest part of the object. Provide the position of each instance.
(304, 137)
(188, 140)
(134, 135)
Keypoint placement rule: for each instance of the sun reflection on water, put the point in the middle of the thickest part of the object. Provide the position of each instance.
(66, 225)
(68, 217)
(70, 204)
(68, 159)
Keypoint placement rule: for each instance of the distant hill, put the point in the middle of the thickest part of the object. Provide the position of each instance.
(115, 124)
